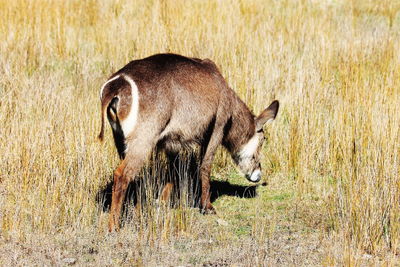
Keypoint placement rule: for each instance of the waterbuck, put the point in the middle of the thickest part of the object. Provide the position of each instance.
(172, 102)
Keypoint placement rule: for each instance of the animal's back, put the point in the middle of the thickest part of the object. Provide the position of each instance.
(191, 74)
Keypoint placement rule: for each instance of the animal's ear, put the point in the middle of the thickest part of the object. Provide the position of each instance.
(267, 115)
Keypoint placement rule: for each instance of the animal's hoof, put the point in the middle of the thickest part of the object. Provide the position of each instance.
(112, 226)
(208, 210)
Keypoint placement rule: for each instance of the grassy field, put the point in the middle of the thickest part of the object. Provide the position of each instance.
(332, 194)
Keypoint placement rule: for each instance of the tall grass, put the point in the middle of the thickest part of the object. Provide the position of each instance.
(334, 66)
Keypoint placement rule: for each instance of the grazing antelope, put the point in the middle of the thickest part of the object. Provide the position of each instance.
(172, 102)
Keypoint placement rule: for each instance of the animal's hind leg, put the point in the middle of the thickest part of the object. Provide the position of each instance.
(166, 192)
(126, 172)
(173, 165)
(118, 195)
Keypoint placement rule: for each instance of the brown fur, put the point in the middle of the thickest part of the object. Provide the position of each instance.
(182, 102)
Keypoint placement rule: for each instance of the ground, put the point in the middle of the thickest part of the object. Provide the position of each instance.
(255, 225)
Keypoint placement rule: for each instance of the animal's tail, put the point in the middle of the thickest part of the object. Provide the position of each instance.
(105, 101)
(104, 105)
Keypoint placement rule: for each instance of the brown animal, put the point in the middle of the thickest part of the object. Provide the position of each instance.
(172, 102)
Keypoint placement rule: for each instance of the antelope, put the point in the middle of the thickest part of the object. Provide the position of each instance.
(170, 102)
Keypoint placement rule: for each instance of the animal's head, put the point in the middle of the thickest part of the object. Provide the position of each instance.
(248, 157)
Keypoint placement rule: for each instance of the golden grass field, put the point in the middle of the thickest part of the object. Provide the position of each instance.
(331, 160)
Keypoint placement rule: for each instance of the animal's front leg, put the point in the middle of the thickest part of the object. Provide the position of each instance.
(208, 153)
(205, 171)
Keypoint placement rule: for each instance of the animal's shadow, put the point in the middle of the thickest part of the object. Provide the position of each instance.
(218, 189)
(137, 191)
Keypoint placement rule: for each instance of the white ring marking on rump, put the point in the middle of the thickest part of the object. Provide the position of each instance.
(104, 85)
(128, 124)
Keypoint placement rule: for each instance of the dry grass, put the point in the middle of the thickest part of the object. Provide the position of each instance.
(332, 158)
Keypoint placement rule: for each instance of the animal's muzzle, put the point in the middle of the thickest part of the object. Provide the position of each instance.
(254, 177)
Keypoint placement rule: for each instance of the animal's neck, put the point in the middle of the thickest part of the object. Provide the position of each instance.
(240, 128)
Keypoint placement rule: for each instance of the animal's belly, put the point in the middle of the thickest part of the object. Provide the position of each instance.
(173, 144)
